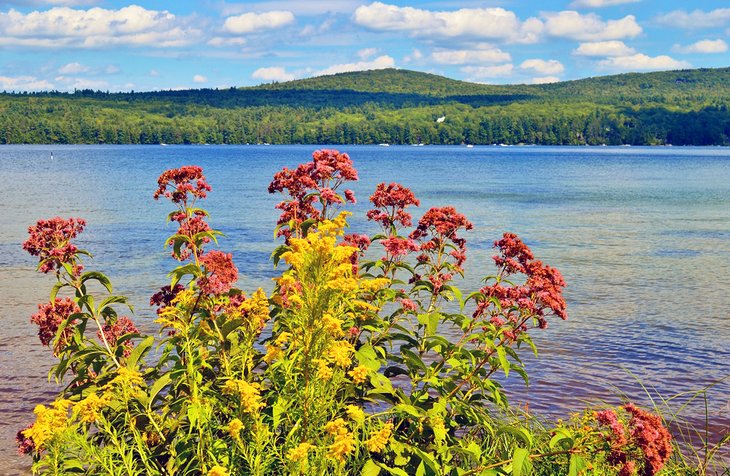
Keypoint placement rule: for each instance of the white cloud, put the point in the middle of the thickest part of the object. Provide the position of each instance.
(487, 23)
(112, 69)
(481, 72)
(366, 53)
(545, 80)
(24, 83)
(381, 62)
(310, 7)
(72, 83)
(589, 27)
(485, 54)
(273, 73)
(73, 68)
(543, 67)
(415, 55)
(642, 62)
(703, 46)
(94, 28)
(696, 19)
(604, 48)
(199, 78)
(154, 73)
(599, 3)
(254, 22)
(224, 41)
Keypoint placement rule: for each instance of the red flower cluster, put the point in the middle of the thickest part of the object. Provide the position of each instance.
(323, 175)
(190, 226)
(49, 318)
(50, 241)
(164, 296)
(397, 246)
(187, 179)
(221, 273)
(650, 435)
(356, 240)
(25, 444)
(541, 294)
(112, 333)
(390, 203)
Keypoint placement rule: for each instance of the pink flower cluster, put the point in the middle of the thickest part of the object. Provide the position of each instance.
(397, 247)
(390, 202)
(112, 333)
(356, 240)
(220, 271)
(183, 181)
(541, 294)
(49, 318)
(437, 231)
(50, 241)
(318, 179)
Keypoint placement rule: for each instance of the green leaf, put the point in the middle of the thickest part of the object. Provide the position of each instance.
(57, 287)
(159, 384)
(577, 464)
(97, 276)
(112, 300)
(366, 356)
(370, 468)
(521, 464)
(138, 351)
(504, 363)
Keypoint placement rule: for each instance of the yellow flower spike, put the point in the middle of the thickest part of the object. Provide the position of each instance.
(332, 325)
(249, 393)
(335, 427)
(49, 422)
(299, 453)
(283, 339)
(344, 440)
(359, 374)
(234, 428)
(372, 285)
(88, 409)
(355, 413)
(218, 471)
(339, 352)
(324, 371)
(379, 440)
(273, 352)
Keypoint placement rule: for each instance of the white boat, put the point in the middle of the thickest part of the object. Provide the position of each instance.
(384, 144)
(469, 146)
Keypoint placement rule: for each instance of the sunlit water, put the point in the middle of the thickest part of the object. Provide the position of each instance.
(642, 236)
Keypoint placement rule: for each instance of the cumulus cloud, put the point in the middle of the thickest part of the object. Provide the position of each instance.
(480, 23)
(94, 28)
(476, 73)
(381, 62)
(366, 53)
(274, 73)
(199, 78)
(599, 3)
(696, 19)
(24, 83)
(642, 62)
(73, 68)
(255, 22)
(543, 67)
(545, 80)
(604, 48)
(484, 54)
(703, 46)
(415, 55)
(590, 27)
(225, 41)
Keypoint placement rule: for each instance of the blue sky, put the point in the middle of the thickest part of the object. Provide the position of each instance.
(154, 44)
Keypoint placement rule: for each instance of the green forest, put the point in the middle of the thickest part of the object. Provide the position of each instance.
(688, 107)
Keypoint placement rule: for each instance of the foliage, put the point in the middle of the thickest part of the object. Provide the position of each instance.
(394, 106)
(343, 369)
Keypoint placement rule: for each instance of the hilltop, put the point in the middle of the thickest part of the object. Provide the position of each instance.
(389, 105)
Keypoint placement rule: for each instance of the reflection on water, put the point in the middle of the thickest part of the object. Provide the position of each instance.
(642, 235)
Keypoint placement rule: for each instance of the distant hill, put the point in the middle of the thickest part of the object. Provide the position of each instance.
(389, 105)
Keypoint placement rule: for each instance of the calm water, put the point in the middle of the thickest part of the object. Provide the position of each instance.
(642, 235)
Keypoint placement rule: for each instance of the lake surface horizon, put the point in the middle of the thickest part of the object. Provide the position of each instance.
(641, 235)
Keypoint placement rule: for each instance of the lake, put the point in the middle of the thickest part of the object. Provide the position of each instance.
(641, 235)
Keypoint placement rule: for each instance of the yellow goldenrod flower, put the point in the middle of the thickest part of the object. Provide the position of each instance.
(282, 339)
(332, 325)
(324, 371)
(345, 285)
(355, 413)
(359, 374)
(88, 409)
(235, 427)
(273, 352)
(249, 393)
(372, 285)
(343, 445)
(126, 378)
(380, 438)
(218, 471)
(336, 426)
(339, 352)
(256, 310)
(49, 422)
(299, 453)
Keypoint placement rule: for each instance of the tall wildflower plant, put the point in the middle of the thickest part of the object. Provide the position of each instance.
(343, 369)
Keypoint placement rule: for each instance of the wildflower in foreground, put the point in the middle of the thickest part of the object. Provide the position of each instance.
(50, 241)
(299, 453)
(235, 427)
(380, 438)
(359, 374)
(49, 318)
(49, 422)
(249, 393)
(221, 273)
(218, 471)
(355, 413)
(112, 333)
(344, 440)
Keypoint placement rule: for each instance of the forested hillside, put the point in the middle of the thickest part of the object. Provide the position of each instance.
(393, 106)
